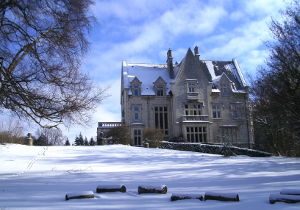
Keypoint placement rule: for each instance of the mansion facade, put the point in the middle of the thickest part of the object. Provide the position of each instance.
(199, 101)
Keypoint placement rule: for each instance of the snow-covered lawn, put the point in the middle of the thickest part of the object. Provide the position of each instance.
(40, 177)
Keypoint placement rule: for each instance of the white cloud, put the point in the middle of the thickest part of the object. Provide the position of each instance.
(263, 7)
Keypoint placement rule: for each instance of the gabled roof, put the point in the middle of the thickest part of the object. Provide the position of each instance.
(147, 74)
(230, 68)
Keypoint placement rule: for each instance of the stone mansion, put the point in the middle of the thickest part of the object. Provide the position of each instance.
(199, 101)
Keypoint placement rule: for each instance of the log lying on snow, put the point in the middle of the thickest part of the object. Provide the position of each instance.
(110, 188)
(80, 195)
(176, 197)
(153, 189)
(284, 198)
(290, 192)
(221, 196)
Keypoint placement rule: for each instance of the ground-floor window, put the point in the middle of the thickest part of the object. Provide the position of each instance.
(229, 134)
(137, 137)
(196, 134)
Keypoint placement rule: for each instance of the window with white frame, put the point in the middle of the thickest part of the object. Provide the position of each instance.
(192, 109)
(137, 137)
(161, 118)
(196, 133)
(216, 111)
(236, 111)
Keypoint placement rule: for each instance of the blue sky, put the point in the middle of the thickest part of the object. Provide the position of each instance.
(142, 31)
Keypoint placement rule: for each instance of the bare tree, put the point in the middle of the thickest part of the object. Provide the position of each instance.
(53, 136)
(120, 135)
(11, 131)
(42, 44)
(153, 137)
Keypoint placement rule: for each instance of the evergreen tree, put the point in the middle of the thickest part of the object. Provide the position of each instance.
(79, 140)
(41, 141)
(67, 143)
(92, 142)
(86, 142)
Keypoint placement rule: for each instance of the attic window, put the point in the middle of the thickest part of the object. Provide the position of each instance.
(159, 87)
(160, 92)
(136, 90)
(224, 89)
(136, 87)
(192, 85)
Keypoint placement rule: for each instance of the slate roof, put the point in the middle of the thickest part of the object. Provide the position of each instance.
(149, 73)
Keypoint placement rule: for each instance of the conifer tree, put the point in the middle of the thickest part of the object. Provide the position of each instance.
(92, 142)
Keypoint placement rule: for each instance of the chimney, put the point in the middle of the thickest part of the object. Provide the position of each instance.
(196, 52)
(170, 64)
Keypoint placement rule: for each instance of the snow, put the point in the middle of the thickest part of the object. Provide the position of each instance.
(40, 177)
(147, 74)
(211, 70)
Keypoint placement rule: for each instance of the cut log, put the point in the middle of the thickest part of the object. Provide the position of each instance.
(153, 189)
(221, 196)
(176, 197)
(110, 188)
(290, 192)
(80, 195)
(283, 198)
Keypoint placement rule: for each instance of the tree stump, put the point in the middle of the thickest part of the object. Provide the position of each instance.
(284, 198)
(176, 197)
(110, 188)
(153, 189)
(290, 192)
(80, 195)
(221, 196)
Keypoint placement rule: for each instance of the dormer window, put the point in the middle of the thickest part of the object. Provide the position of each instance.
(136, 90)
(159, 87)
(136, 87)
(160, 92)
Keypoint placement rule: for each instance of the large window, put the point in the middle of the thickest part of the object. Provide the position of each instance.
(196, 134)
(236, 111)
(137, 137)
(161, 118)
(192, 109)
(216, 111)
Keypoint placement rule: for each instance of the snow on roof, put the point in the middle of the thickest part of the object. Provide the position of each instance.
(147, 74)
(230, 68)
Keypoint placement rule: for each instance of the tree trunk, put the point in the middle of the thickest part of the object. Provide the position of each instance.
(110, 188)
(221, 196)
(152, 189)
